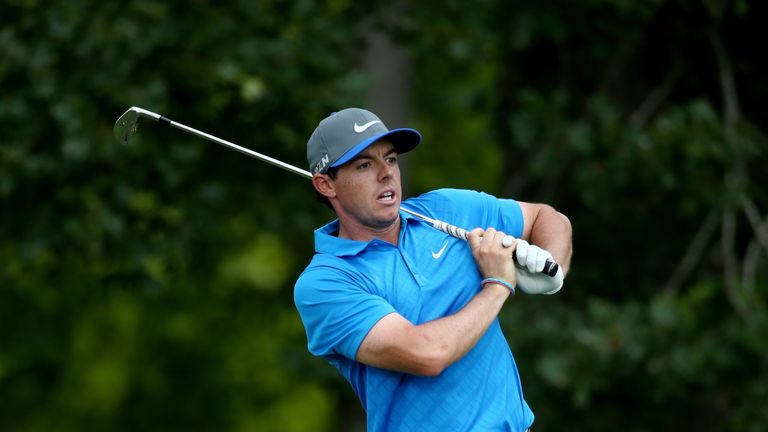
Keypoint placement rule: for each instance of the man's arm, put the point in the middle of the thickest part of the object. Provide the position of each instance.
(395, 343)
(548, 229)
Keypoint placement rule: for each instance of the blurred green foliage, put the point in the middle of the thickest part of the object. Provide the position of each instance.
(148, 286)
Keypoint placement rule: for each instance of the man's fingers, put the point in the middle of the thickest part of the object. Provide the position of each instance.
(537, 258)
(527, 255)
(489, 237)
(541, 259)
(531, 257)
(475, 237)
(521, 251)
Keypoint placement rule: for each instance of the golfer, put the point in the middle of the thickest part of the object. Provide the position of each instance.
(407, 313)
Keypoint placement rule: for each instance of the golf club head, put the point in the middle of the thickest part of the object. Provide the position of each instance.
(128, 123)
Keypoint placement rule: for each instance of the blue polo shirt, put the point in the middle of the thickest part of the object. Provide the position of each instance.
(350, 285)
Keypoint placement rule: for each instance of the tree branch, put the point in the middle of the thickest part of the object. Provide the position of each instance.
(749, 268)
(727, 83)
(695, 250)
(730, 263)
(734, 177)
(655, 99)
(753, 215)
(754, 252)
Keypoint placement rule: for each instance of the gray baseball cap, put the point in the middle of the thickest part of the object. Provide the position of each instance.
(344, 134)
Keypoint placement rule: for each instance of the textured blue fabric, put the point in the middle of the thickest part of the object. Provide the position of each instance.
(349, 286)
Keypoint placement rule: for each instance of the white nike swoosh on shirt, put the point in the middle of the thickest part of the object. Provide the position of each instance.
(440, 253)
(361, 129)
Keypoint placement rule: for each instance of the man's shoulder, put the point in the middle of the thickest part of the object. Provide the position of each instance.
(327, 267)
(469, 208)
(449, 193)
(326, 262)
(323, 269)
(452, 194)
(446, 201)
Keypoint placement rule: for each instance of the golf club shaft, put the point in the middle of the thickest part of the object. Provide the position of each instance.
(244, 150)
(126, 125)
(162, 119)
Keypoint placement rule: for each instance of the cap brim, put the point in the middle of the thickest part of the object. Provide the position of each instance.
(404, 140)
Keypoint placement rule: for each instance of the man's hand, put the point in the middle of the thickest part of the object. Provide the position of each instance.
(530, 278)
(492, 258)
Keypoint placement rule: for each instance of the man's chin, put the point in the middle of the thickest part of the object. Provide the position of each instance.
(385, 221)
(383, 224)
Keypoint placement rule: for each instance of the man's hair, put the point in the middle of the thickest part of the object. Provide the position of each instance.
(322, 199)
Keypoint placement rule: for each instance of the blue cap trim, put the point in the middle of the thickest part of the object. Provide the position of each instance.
(402, 145)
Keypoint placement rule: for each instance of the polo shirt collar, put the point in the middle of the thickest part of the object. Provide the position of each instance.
(328, 241)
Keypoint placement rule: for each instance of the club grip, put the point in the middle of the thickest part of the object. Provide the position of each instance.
(452, 230)
(550, 267)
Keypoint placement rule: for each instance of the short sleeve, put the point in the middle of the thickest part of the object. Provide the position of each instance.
(336, 309)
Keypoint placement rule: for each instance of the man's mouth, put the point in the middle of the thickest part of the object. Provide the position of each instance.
(386, 197)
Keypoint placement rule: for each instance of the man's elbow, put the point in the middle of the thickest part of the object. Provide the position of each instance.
(432, 359)
(431, 365)
(566, 222)
(567, 236)
(553, 221)
(552, 214)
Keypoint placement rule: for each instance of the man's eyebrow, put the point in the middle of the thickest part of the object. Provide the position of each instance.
(367, 156)
(358, 157)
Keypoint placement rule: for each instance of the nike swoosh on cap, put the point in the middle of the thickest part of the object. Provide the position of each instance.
(361, 129)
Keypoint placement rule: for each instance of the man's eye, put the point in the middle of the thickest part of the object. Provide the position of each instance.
(392, 160)
(364, 165)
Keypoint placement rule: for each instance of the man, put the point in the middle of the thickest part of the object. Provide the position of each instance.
(407, 313)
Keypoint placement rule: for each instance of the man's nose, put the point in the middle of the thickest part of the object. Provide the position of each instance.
(386, 171)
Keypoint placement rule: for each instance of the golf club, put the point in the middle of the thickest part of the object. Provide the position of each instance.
(128, 124)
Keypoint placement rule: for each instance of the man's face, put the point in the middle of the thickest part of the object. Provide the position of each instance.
(368, 191)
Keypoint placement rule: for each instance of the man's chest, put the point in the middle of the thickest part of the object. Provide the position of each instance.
(429, 275)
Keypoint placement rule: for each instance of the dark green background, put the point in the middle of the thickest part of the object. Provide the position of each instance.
(149, 286)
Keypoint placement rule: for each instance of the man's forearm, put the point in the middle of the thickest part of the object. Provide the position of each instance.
(427, 349)
(457, 334)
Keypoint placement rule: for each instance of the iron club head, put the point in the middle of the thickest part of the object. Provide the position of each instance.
(128, 123)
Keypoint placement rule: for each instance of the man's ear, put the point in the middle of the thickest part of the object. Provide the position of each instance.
(323, 185)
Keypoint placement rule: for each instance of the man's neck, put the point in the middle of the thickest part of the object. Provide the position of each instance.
(358, 232)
